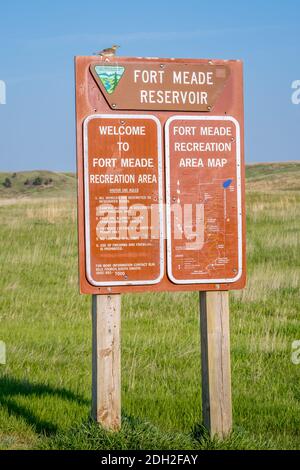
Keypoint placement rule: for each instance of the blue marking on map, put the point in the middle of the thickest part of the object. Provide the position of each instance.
(227, 183)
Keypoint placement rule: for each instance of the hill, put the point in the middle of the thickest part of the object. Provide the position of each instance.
(273, 176)
(37, 183)
(261, 177)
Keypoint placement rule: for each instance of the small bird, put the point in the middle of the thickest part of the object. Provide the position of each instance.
(109, 52)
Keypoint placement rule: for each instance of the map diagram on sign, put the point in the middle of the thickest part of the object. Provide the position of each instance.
(203, 200)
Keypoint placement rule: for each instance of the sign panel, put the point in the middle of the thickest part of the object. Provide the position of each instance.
(161, 185)
(161, 86)
(123, 200)
(203, 181)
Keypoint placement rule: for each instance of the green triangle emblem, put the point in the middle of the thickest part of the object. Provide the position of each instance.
(109, 76)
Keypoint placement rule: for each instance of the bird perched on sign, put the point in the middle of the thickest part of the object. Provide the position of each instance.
(109, 52)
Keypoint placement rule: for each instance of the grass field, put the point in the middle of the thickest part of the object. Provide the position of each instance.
(45, 386)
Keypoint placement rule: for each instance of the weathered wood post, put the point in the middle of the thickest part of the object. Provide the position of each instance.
(106, 361)
(215, 362)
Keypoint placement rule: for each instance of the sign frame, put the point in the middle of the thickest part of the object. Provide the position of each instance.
(90, 100)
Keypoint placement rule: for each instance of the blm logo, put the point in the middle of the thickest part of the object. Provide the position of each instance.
(2, 92)
(109, 76)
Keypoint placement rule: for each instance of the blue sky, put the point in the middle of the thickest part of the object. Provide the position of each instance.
(38, 40)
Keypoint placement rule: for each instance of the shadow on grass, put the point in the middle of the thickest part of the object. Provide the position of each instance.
(200, 433)
(10, 388)
(135, 434)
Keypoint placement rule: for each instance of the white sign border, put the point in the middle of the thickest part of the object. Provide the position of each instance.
(168, 199)
(87, 199)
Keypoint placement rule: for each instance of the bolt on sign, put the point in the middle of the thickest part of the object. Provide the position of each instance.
(160, 174)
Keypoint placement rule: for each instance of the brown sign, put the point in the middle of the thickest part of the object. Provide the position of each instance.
(160, 186)
(203, 181)
(160, 86)
(123, 200)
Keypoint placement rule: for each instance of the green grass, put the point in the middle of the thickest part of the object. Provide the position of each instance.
(45, 387)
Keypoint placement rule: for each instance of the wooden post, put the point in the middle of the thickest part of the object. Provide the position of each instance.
(215, 362)
(106, 366)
